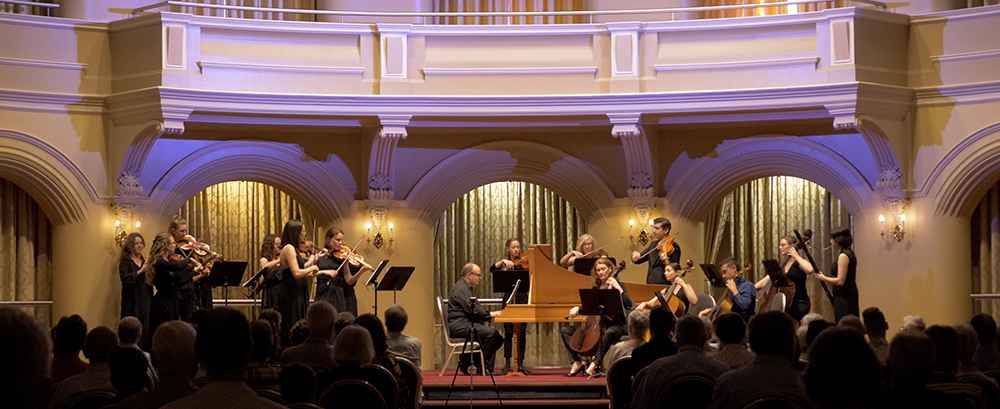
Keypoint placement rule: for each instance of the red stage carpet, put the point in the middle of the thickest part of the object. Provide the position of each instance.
(543, 388)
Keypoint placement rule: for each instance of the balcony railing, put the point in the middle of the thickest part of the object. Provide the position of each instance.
(35, 8)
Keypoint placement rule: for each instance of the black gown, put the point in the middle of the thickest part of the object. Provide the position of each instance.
(271, 294)
(800, 304)
(614, 329)
(293, 299)
(331, 289)
(845, 297)
(136, 295)
(171, 276)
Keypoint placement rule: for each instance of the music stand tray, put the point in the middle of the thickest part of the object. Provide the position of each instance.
(583, 266)
(601, 302)
(778, 277)
(394, 280)
(226, 273)
(714, 274)
(503, 280)
(373, 279)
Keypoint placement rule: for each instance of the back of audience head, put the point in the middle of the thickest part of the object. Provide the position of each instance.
(772, 333)
(374, 326)
(395, 318)
(353, 347)
(298, 383)
(173, 351)
(945, 347)
(299, 332)
(875, 324)
(263, 340)
(128, 371)
(691, 331)
(852, 321)
(913, 322)
(840, 356)
(661, 321)
(196, 317)
(223, 343)
(274, 317)
(986, 328)
(25, 356)
(101, 342)
(129, 331)
(69, 335)
(638, 324)
(344, 318)
(911, 357)
(730, 328)
(320, 317)
(968, 341)
(815, 328)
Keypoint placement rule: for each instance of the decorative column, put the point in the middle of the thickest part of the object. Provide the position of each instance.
(628, 129)
(381, 169)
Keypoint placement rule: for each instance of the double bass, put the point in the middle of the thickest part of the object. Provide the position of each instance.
(587, 336)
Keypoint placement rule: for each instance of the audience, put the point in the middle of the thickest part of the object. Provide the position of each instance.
(25, 359)
(913, 322)
(661, 325)
(801, 332)
(852, 321)
(772, 338)
(986, 358)
(315, 351)
(97, 347)
(968, 341)
(223, 345)
(262, 374)
(344, 319)
(68, 338)
(298, 384)
(945, 352)
(731, 330)
(911, 361)
(843, 371)
(353, 347)
(396, 342)
(383, 357)
(814, 329)
(875, 328)
(128, 372)
(174, 357)
(650, 387)
(638, 325)
(274, 317)
(129, 334)
(297, 334)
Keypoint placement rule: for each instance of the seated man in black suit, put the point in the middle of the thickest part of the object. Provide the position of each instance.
(465, 313)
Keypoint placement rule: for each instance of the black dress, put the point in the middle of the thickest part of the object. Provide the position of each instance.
(171, 276)
(800, 304)
(271, 295)
(331, 289)
(614, 329)
(293, 299)
(189, 294)
(845, 297)
(136, 295)
(508, 328)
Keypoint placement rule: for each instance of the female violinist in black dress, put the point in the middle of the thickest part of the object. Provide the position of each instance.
(512, 252)
(335, 284)
(602, 277)
(136, 294)
(269, 250)
(845, 285)
(169, 276)
(796, 268)
(295, 273)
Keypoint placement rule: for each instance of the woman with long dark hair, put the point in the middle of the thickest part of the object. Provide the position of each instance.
(169, 277)
(136, 294)
(845, 285)
(295, 272)
(269, 250)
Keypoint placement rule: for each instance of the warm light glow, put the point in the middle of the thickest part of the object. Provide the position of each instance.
(368, 226)
(881, 218)
(631, 222)
(137, 224)
(902, 217)
(118, 223)
(650, 222)
(390, 226)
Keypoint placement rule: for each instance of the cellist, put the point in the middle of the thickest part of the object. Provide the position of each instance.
(682, 290)
(602, 276)
(738, 290)
(657, 259)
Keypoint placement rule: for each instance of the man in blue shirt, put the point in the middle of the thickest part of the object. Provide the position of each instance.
(739, 290)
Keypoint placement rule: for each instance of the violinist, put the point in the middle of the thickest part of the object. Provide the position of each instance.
(169, 277)
(269, 250)
(602, 277)
(584, 246)
(738, 289)
(682, 290)
(194, 294)
(512, 252)
(845, 285)
(136, 294)
(335, 283)
(796, 268)
(295, 273)
(658, 258)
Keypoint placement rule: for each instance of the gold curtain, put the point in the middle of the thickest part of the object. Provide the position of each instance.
(986, 251)
(25, 250)
(234, 217)
(750, 221)
(475, 228)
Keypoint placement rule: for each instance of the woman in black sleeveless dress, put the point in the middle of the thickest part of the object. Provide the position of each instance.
(335, 284)
(296, 271)
(845, 286)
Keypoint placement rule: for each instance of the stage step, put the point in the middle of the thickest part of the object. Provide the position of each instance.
(545, 390)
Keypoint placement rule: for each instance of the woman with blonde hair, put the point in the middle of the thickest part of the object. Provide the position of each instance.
(584, 246)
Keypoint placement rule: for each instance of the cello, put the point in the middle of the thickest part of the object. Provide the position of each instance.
(587, 337)
(673, 301)
(727, 302)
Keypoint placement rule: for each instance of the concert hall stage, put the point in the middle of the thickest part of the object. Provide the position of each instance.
(546, 388)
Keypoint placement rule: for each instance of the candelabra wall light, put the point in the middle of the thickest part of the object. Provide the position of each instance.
(378, 240)
(643, 238)
(897, 230)
(121, 234)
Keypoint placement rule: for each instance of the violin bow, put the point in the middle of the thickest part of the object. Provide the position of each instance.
(596, 249)
(346, 261)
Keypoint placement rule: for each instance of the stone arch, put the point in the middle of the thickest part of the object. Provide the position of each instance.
(52, 179)
(709, 179)
(301, 176)
(964, 175)
(492, 162)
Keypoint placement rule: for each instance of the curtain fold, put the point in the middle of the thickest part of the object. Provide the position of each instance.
(25, 250)
(476, 226)
(985, 233)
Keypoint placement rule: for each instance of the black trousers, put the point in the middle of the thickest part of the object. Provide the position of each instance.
(508, 339)
(489, 340)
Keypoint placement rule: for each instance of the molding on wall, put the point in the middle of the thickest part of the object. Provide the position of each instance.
(737, 64)
(960, 174)
(50, 22)
(954, 15)
(510, 71)
(945, 95)
(965, 56)
(51, 102)
(507, 30)
(58, 65)
(299, 69)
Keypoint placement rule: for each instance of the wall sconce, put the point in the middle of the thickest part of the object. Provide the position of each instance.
(121, 234)
(898, 230)
(643, 238)
(378, 239)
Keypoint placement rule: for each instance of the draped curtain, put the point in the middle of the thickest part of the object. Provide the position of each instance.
(234, 217)
(986, 251)
(750, 221)
(25, 250)
(474, 229)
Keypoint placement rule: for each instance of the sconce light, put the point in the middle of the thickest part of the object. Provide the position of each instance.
(121, 234)
(643, 238)
(378, 239)
(898, 230)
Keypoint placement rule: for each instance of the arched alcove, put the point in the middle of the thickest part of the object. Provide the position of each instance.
(961, 179)
(51, 178)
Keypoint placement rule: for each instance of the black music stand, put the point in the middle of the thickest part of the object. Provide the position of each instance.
(394, 280)
(713, 274)
(226, 274)
(583, 266)
(504, 280)
(373, 280)
(778, 277)
(601, 302)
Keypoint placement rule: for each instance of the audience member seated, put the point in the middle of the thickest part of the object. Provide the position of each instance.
(913, 322)
(129, 334)
(315, 352)
(297, 334)
(815, 328)
(945, 352)
(875, 328)
(68, 337)
(968, 341)
(274, 317)
(298, 384)
(128, 372)
(690, 359)
(852, 321)
(383, 357)
(731, 330)
(772, 338)
(661, 325)
(25, 348)
(175, 360)
(800, 333)
(396, 342)
(353, 347)
(986, 358)
(843, 371)
(99, 345)
(262, 374)
(638, 325)
(223, 346)
(911, 361)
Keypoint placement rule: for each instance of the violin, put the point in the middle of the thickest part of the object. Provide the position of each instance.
(596, 254)
(308, 248)
(189, 243)
(521, 262)
(193, 264)
(343, 253)
(665, 247)
(727, 302)
(673, 301)
(587, 336)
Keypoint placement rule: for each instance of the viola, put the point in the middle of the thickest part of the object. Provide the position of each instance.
(521, 262)
(596, 254)
(344, 253)
(308, 248)
(587, 336)
(189, 243)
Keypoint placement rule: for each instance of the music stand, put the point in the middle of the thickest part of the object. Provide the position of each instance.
(583, 266)
(517, 286)
(601, 302)
(373, 280)
(504, 280)
(713, 274)
(225, 274)
(394, 280)
(778, 277)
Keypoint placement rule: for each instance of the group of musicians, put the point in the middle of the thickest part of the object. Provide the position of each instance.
(662, 257)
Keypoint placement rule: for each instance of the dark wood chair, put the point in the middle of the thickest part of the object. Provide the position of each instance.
(91, 400)
(414, 381)
(691, 391)
(620, 382)
(270, 394)
(973, 395)
(775, 402)
(383, 381)
(350, 394)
